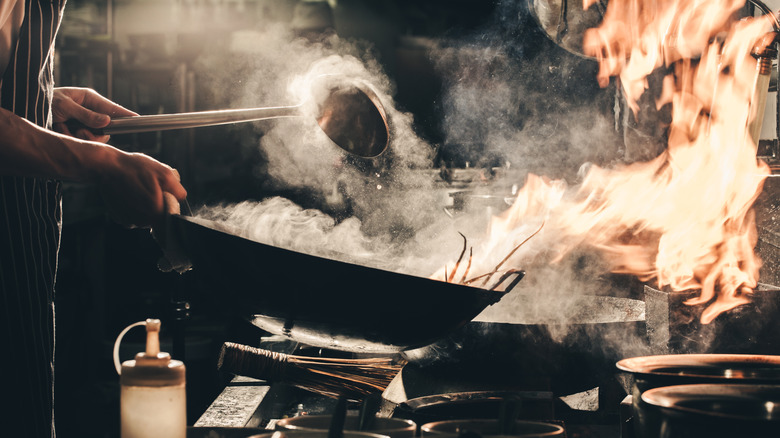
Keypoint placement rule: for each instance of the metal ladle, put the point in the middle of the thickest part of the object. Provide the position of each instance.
(350, 113)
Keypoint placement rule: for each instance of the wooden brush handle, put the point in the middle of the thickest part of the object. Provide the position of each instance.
(253, 362)
(351, 378)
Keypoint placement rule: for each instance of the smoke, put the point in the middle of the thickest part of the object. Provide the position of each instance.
(507, 92)
(387, 208)
(510, 91)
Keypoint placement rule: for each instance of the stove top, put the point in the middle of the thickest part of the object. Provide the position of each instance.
(419, 394)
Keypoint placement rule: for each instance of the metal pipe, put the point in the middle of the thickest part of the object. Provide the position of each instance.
(764, 52)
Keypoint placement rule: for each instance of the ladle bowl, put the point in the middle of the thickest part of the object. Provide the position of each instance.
(348, 111)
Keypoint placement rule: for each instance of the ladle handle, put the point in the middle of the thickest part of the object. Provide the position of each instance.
(163, 122)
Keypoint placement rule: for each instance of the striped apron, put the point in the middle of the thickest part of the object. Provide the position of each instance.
(30, 224)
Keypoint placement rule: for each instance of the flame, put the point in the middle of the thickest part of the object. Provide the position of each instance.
(684, 218)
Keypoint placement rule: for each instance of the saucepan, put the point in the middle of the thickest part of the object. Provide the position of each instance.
(392, 427)
(650, 372)
(316, 434)
(715, 410)
(491, 428)
(325, 302)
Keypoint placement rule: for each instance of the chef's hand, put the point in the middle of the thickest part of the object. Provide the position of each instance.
(86, 107)
(133, 186)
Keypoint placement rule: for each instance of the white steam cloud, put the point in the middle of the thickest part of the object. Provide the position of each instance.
(388, 212)
(388, 207)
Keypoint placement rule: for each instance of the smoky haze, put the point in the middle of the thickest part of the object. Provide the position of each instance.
(508, 92)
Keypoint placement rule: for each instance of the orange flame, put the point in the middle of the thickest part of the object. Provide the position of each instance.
(684, 218)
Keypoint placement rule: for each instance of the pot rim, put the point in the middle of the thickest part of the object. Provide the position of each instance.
(382, 425)
(315, 434)
(450, 427)
(694, 399)
(731, 366)
(429, 401)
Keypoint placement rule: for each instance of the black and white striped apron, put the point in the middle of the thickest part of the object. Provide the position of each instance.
(30, 223)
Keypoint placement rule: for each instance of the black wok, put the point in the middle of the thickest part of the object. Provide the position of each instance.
(324, 302)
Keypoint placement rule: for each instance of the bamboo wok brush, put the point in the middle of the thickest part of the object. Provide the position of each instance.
(354, 379)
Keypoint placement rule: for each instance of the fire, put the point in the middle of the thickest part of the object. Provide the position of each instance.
(683, 219)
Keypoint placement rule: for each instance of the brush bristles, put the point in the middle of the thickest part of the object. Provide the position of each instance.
(351, 378)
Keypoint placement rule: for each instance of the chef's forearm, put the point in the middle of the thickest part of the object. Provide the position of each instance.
(29, 150)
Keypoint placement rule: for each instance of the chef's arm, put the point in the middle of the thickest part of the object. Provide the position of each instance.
(132, 184)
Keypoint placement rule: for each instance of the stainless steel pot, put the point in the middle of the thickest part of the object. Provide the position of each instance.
(491, 428)
(650, 372)
(714, 410)
(316, 434)
(392, 427)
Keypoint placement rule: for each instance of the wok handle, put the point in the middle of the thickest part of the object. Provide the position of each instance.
(185, 207)
(174, 257)
(174, 206)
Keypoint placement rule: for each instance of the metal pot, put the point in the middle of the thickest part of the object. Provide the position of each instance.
(565, 22)
(491, 428)
(392, 427)
(324, 302)
(714, 410)
(316, 434)
(650, 372)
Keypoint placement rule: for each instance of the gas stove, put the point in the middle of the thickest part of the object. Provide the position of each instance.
(422, 394)
(425, 392)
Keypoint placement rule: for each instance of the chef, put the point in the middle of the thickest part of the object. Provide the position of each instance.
(37, 152)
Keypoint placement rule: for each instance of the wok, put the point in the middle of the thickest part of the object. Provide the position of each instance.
(324, 302)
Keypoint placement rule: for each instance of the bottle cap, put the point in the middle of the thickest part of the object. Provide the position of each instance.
(152, 367)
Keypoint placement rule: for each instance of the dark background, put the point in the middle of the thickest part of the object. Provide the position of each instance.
(144, 55)
(134, 53)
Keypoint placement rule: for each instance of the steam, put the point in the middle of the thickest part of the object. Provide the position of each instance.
(280, 222)
(543, 112)
(527, 116)
(387, 209)
(494, 96)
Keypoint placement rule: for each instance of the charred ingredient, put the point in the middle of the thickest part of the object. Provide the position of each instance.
(485, 278)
